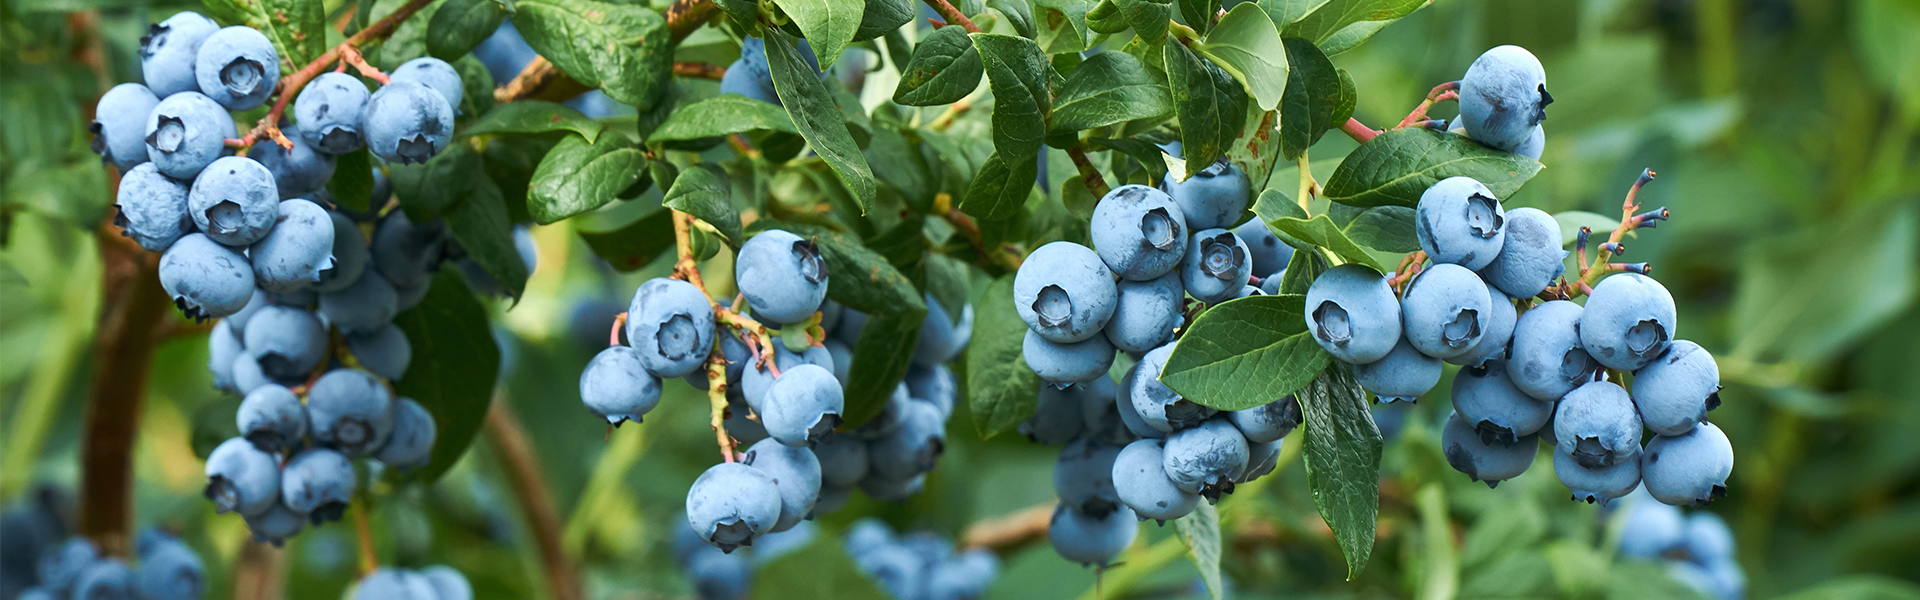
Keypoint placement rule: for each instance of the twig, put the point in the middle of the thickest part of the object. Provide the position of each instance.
(1358, 131)
(269, 126)
(1088, 173)
(699, 70)
(953, 111)
(536, 75)
(717, 399)
(132, 306)
(686, 269)
(536, 502)
(1440, 93)
(953, 15)
(1306, 184)
(1592, 272)
(363, 532)
(1005, 257)
(1010, 530)
(260, 573)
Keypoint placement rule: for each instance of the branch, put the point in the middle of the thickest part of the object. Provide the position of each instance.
(269, 126)
(1358, 131)
(132, 307)
(260, 573)
(1440, 93)
(699, 70)
(363, 531)
(1592, 272)
(1009, 531)
(1006, 257)
(536, 502)
(953, 15)
(1095, 183)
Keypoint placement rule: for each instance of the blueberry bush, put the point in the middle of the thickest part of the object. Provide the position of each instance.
(952, 300)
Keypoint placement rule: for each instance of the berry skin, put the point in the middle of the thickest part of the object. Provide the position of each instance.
(433, 73)
(407, 254)
(237, 67)
(153, 208)
(1492, 462)
(1056, 417)
(719, 576)
(1501, 318)
(1268, 253)
(1213, 198)
(408, 123)
(169, 570)
(1530, 257)
(119, 124)
(1261, 459)
(1130, 418)
(1708, 538)
(1403, 375)
(1083, 477)
(941, 339)
(756, 380)
(168, 50)
(1446, 311)
(185, 133)
(448, 584)
(803, 406)
(222, 347)
(1268, 422)
(411, 443)
(1629, 321)
(782, 275)
(911, 450)
(1064, 292)
(1689, 469)
(1597, 425)
(1146, 314)
(740, 80)
(366, 305)
(1535, 144)
(1099, 416)
(1486, 399)
(1353, 314)
(296, 250)
(1207, 458)
(332, 112)
(384, 351)
(1503, 96)
(1142, 484)
(1601, 485)
(671, 323)
(389, 583)
(318, 482)
(843, 460)
(58, 566)
(796, 474)
(933, 385)
(349, 256)
(349, 410)
(299, 172)
(104, 579)
(617, 388)
(1650, 529)
(963, 577)
(890, 416)
(884, 489)
(1159, 406)
(242, 479)
(234, 201)
(1547, 360)
(1458, 221)
(1216, 267)
(1675, 391)
(1139, 232)
(1091, 540)
(272, 419)
(206, 280)
(1067, 363)
(731, 504)
(1270, 284)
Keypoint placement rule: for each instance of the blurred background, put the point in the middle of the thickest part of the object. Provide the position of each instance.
(1786, 135)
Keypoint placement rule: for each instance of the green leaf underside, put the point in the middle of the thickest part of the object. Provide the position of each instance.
(1343, 461)
(577, 177)
(1001, 389)
(1110, 88)
(1247, 45)
(1018, 73)
(1320, 231)
(1200, 531)
(625, 50)
(534, 116)
(1066, 22)
(1396, 167)
(829, 25)
(704, 192)
(455, 362)
(816, 116)
(481, 225)
(297, 28)
(635, 244)
(1312, 97)
(1212, 106)
(1148, 18)
(721, 115)
(945, 67)
(1245, 353)
(1305, 267)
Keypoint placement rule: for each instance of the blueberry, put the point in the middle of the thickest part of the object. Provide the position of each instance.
(1130, 418)
(1708, 538)
(242, 479)
(886, 489)
(234, 201)
(1446, 311)
(408, 123)
(410, 445)
(731, 504)
(238, 321)
(739, 79)
(1069, 362)
(1458, 221)
(448, 583)
(247, 376)
(1083, 477)
(365, 306)
(1269, 254)
(1139, 232)
(803, 406)
(298, 172)
(1597, 425)
(796, 473)
(1206, 458)
(941, 338)
(935, 385)
(912, 449)
(1493, 344)
(119, 124)
(350, 410)
(1487, 400)
(388, 583)
(1064, 292)
(1403, 375)
(296, 250)
(1159, 406)
(1689, 469)
(153, 208)
(222, 347)
(1056, 417)
(1216, 267)
(169, 570)
(206, 280)
(1629, 321)
(1649, 529)
(1547, 360)
(1591, 485)
(782, 275)
(168, 50)
(671, 324)
(741, 423)
(1142, 484)
(1147, 313)
(1091, 540)
(185, 133)
(1491, 462)
(719, 576)
(384, 351)
(1270, 284)
(1530, 257)
(617, 388)
(1502, 97)
(59, 566)
(1099, 415)
(895, 568)
(406, 253)
(852, 322)
(272, 419)
(332, 113)
(1267, 422)
(964, 577)
(738, 357)
(1262, 458)
(433, 73)
(843, 460)
(867, 535)
(1675, 391)
(1213, 198)
(104, 579)
(1534, 145)
(318, 482)
(237, 67)
(349, 256)
(1353, 314)
(504, 52)
(890, 417)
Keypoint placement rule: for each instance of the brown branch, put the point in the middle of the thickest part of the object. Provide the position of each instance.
(536, 502)
(685, 16)
(953, 15)
(1088, 174)
(269, 126)
(1005, 257)
(1009, 531)
(699, 70)
(260, 573)
(532, 78)
(132, 308)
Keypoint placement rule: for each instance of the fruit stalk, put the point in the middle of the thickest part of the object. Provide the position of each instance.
(269, 126)
(699, 70)
(1088, 174)
(1592, 272)
(1440, 93)
(952, 15)
(363, 531)
(1357, 130)
(536, 503)
(686, 269)
(1006, 258)
(717, 401)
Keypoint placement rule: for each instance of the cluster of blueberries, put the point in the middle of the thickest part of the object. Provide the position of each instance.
(786, 410)
(1697, 548)
(916, 566)
(76, 569)
(438, 582)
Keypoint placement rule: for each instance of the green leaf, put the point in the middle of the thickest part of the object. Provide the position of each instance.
(1340, 25)
(722, 115)
(352, 183)
(1148, 18)
(1199, 13)
(1571, 222)
(817, 116)
(297, 28)
(1065, 23)
(1140, 150)
(829, 25)
(1396, 167)
(741, 11)
(1320, 231)
(880, 361)
(947, 283)
(634, 244)
(898, 163)
(1859, 587)
(459, 26)
(1305, 266)
(1383, 228)
(577, 176)
(1212, 106)
(481, 225)
(213, 424)
(1248, 46)
(1001, 389)
(476, 85)
(455, 363)
(882, 17)
(1018, 13)
(427, 189)
(535, 116)
(703, 191)
(1273, 204)
(1312, 96)
(1257, 150)
(1110, 88)
(625, 50)
(1343, 461)
(1817, 291)
(1286, 12)
(945, 68)
(1200, 531)
(1106, 18)
(1349, 96)
(1001, 188)
(1018, 73)
(1244, 353)
(819, 571)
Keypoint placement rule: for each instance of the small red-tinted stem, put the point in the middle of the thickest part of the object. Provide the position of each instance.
(1357, 130)
(350, 56)
(1419, 113)
(953, 15)
(613, 337)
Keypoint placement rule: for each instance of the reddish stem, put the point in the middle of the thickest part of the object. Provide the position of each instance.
(1358, 131)
(953, 15)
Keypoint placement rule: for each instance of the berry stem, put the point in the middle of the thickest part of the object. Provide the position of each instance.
(1592, 272)
(1006, 258)
(1440, 93)
(1358, 131)
(761, 343)
(953, 15)
(699, 70)
(269, 126)
(536, 502)
(717, 400)
(1306, 184)
(363, 531)
(1088, 174)
(613, 337)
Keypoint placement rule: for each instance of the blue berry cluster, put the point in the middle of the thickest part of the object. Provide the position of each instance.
(1503, 99)
(75, 568)
(916, 566)
(438, 582)
(1697, 547)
